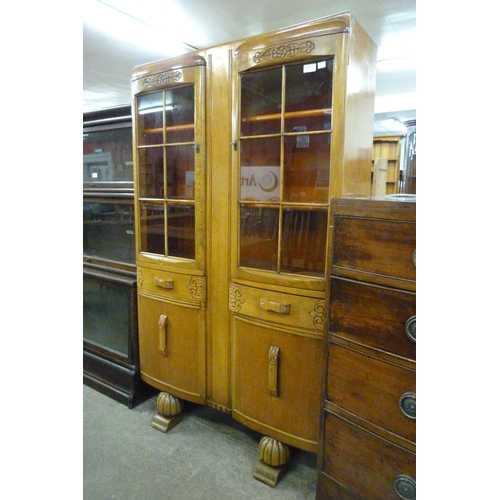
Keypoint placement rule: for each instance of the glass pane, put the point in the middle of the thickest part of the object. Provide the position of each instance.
(151, 173)
(150, 119)
(179, 106)
(106, 315)
(307, 169)
(308, 100)
(108, 231)
(259, 237)
(304, 241)
(181, 233)
(261, 102)
(180, 172)
(107, 155)
(153, 228)
(260, 169)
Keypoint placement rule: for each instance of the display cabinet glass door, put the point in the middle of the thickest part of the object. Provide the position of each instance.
(167, 149)
(284, 161)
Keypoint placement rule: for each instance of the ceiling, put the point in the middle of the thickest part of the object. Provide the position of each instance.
(120, 34)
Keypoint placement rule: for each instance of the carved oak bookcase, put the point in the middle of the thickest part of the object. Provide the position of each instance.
(238, 150)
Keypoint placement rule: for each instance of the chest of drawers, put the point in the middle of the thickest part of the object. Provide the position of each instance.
(368, 423)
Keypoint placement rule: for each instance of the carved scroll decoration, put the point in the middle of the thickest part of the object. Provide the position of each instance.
(290, 50)
(236, 299)
(162, 79)
(197, 288)
(318, 314)
(140, 278)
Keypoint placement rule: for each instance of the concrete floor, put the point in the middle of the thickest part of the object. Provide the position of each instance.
(206, 456)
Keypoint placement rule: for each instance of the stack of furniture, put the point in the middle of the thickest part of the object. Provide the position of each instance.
(368, 426)
(110, 347)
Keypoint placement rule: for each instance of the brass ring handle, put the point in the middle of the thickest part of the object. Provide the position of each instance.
(165, 284)
(408, 405)
(405, 487)
(411, 328)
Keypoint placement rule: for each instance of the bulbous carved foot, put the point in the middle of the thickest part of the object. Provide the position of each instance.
(168, 408)
(273, 457)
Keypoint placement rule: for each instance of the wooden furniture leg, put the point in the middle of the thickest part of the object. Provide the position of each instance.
(273, 457)
(168, 408)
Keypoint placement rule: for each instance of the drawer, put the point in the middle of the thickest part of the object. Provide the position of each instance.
(375, 247)
(365, 464)
(169, 285)
(375, 390)
(375, 316)
(294, 311)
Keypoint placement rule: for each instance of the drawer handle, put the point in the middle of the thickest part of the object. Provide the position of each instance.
(408, 405)
(273, 370)
(405, 487)
(162, 334)
(277, 307)
(165, 284)
(411, 328)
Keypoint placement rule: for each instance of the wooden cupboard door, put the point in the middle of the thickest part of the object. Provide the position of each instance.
(277, 382)
(365, 464)
(171, 347)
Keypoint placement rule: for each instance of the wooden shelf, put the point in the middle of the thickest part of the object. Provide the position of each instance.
(310, 113)
(173, 128)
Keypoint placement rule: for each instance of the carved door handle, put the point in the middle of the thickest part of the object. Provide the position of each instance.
(162, 334)
(273, 370)
(165, 284)
(277, 307)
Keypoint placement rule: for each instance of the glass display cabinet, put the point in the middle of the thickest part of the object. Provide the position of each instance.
(170, 205)
(238, 150)
(303, 101)
(110, 349)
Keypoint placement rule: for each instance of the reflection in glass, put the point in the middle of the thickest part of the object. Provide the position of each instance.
(180, 172)
(181, 233)
(153, 228)
(150, 119)
(304, 241)
(261, 102)
(179, 106)
(151, 173)
(307, 169)
(308, 96)
(105, 315)
(107, 155)
(259, 237)
(108, 230)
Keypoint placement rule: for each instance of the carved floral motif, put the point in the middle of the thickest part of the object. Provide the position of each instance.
(290, 50)
(140, 278)
(318, 314)
(236, 299)
(197, 288)
(162, 79)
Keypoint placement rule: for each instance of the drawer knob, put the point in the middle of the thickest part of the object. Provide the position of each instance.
(411, 328)
(277, 307)
(405, 487)
(165, 284)
(408, 405)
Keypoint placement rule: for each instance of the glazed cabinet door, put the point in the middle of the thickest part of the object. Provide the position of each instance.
(170, 166)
